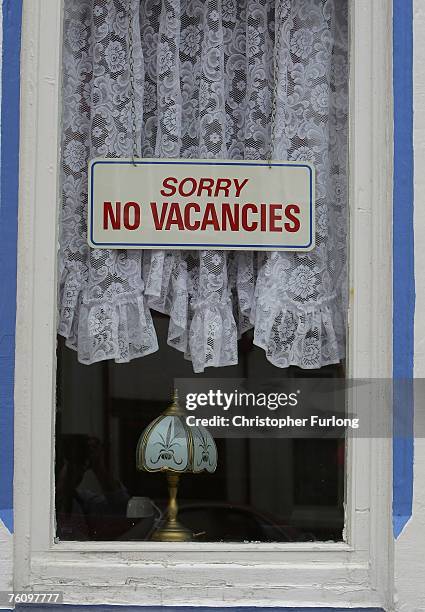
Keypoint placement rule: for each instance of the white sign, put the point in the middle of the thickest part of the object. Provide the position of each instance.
(199, 204)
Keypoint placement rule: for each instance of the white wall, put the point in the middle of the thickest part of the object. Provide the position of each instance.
(409, 549)
(6, 558)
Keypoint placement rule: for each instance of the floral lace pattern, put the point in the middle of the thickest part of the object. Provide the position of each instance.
(203, 73)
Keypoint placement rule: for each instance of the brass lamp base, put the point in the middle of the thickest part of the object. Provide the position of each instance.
(172, 531)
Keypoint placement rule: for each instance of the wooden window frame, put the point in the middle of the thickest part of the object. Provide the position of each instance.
(356, 572)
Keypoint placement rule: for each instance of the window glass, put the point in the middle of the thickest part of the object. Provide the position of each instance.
(203, 79)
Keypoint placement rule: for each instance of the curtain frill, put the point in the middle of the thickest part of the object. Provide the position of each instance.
(203, 89)
(206, 332)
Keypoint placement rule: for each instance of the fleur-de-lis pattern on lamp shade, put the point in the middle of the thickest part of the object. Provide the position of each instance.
(204, 450)
(168, 444)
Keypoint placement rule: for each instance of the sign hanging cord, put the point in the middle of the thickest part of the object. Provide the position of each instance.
(132, 80)
(276, 54)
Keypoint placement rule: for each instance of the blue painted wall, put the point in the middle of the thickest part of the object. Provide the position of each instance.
(8, 240)
(403, 271)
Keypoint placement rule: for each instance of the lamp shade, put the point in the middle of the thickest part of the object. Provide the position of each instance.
(168, 444)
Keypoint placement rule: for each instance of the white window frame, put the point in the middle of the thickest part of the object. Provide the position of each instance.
(356, 572)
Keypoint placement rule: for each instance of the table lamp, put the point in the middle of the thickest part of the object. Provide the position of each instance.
(169, 445)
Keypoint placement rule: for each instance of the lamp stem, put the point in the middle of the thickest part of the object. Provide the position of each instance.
(173, 485)
(172, 530)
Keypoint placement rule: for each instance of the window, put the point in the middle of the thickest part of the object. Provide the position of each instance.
(240, 80)
(354, 561)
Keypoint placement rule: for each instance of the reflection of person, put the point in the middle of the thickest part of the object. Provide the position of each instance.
(81, 510)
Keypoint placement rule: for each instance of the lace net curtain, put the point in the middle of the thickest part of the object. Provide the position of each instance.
(203, 73)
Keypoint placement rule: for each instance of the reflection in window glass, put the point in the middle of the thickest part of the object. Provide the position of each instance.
(263, 489)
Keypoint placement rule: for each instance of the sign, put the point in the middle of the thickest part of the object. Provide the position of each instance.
(200, 204)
